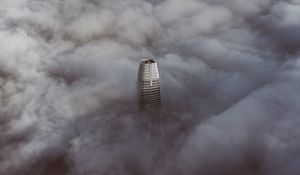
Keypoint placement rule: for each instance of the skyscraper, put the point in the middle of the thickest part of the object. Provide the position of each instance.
(149, 85)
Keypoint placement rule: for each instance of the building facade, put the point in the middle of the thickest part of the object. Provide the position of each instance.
(149, 85)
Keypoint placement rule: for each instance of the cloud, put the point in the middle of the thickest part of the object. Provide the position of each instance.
(229, 81)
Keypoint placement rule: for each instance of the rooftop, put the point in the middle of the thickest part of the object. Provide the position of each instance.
(147, 61)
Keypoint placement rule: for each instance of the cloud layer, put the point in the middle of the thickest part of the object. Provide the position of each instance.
(229, 74)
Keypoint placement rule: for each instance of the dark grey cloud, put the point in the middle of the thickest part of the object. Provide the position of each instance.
(229, 75)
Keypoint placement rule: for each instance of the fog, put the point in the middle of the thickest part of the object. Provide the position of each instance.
(230, 82)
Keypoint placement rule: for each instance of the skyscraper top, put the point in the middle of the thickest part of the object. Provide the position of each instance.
(149, 85)
(148, 69)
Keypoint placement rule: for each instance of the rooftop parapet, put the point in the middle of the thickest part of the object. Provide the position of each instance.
(147, 61)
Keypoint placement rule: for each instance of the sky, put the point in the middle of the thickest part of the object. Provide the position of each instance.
(230, 83)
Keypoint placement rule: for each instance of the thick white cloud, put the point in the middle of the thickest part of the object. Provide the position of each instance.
(229, 76)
